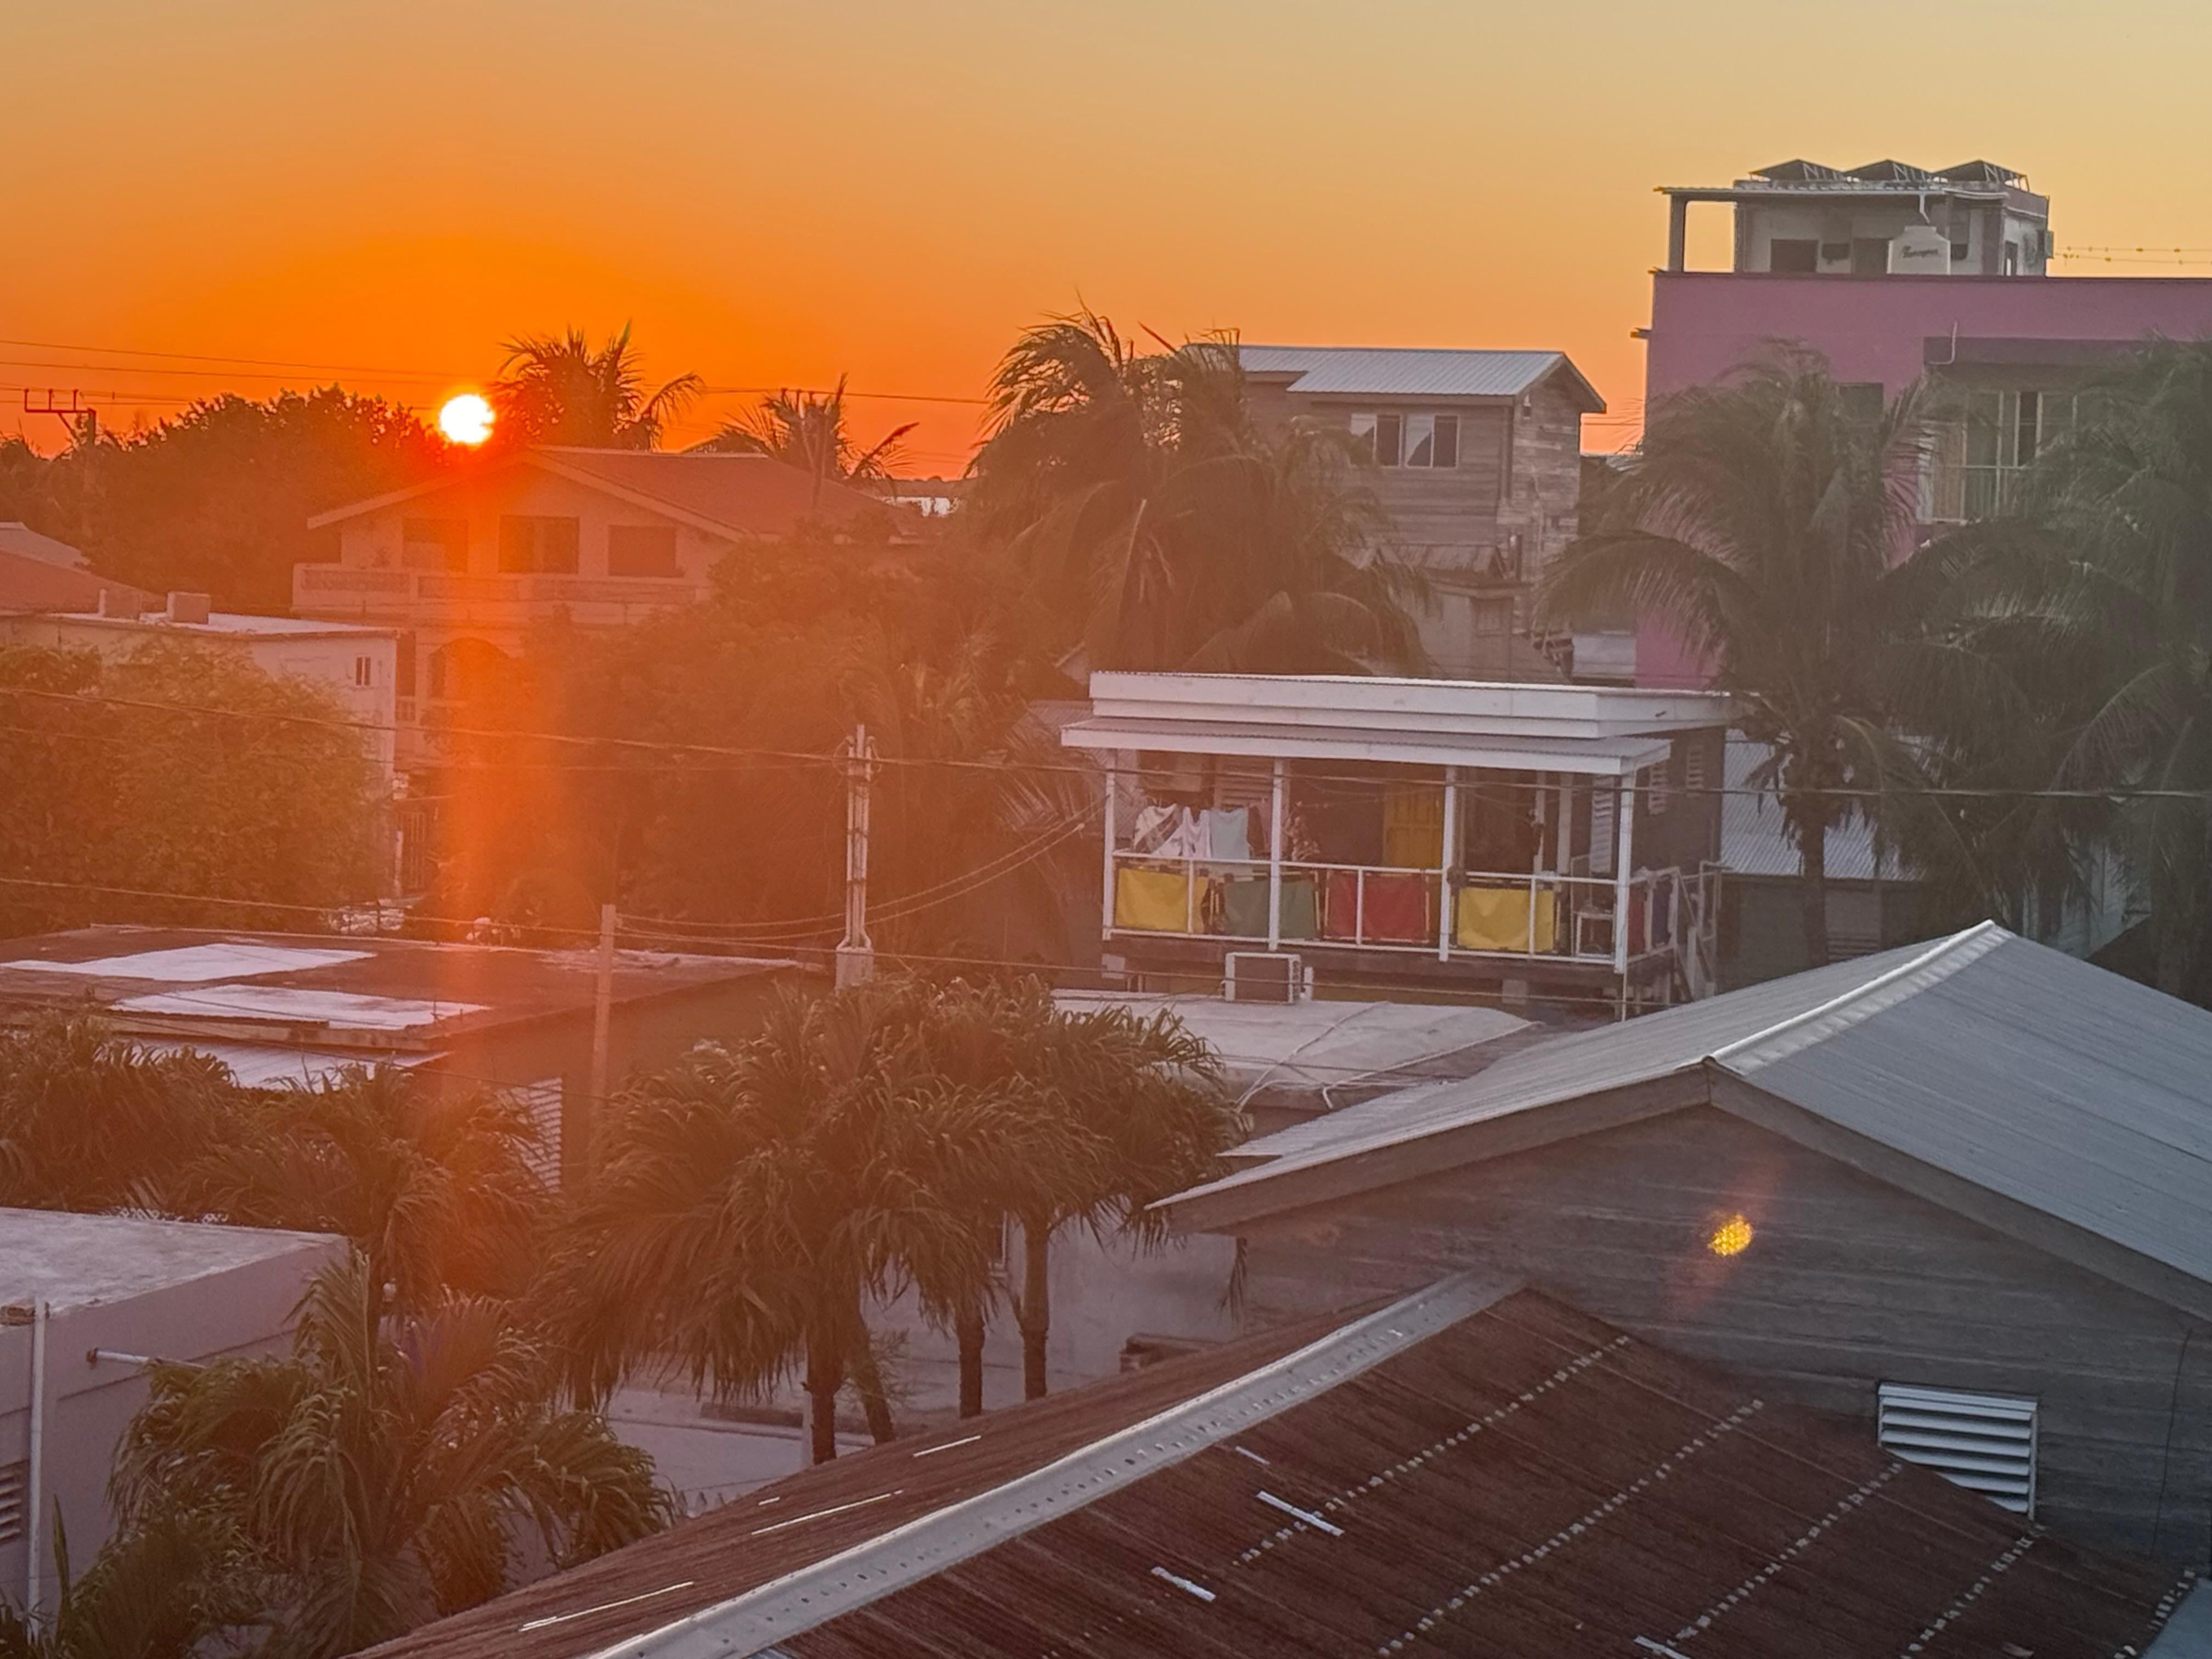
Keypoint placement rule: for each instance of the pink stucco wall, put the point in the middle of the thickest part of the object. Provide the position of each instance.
(1705, 323)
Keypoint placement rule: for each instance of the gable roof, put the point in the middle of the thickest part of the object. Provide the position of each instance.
(1416, 372)
(31, 582)
(19, 538)
(1463, 1469)
(741, 496)
(2041, 1085)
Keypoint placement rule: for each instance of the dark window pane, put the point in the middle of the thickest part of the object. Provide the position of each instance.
(557, 542)
(1447, 450)
(434, 544)
(518, 544)
(1793, 257)
(641, 549)
(1386, 439)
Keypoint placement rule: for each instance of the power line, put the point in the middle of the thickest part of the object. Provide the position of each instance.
(1040, 768)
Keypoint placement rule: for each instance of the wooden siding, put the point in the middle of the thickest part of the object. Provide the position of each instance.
(1847, 1282)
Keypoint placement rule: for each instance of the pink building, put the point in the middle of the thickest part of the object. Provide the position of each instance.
(1899, 272)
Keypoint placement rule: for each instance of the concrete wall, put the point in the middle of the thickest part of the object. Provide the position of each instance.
(1845, 1283)
(240, 1309)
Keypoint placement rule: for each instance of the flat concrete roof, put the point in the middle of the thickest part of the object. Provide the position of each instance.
(70, 1260)
(337, 991)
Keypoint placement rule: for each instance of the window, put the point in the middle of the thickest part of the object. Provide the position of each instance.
(641, 549)
(364, 671)
(537, 546)
(1423, 441)
(1978, 460)
(1492, 617)
(403, 669)
(1984, 1442)
(2012, 258)
(1792, 258)
(434, 544)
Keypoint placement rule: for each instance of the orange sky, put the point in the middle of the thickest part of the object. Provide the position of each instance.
(777, 193)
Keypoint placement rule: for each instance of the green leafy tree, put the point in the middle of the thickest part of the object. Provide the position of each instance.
(1137, 499)
(1763, 519)
(181, 770)
(217, 498)
(384, 1473)
(559, 389)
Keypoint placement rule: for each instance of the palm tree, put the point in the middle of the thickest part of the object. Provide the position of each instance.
(1762, 518)
(755, 1198)
(556, 389)
(385, 1472)
(165, 1589)
(1132, 491)
(433, 1185)
(2097, 594)
(807, 431)
(90, 1122)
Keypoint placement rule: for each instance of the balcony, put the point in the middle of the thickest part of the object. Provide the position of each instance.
(435, 596)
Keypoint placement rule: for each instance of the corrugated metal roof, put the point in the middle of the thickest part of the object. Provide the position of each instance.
(1754, 842)
(1457, 1473)
(1405, 371)
(1993, 1059)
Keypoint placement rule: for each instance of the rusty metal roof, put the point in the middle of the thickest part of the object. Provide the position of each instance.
(1462, 1471)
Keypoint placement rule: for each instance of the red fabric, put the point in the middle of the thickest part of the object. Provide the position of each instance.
(1399, 910)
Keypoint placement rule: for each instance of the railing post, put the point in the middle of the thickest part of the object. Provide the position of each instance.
(1359, 906)
(1624, 825)
(1275, 858)
(1446, 846)
(1113, 788)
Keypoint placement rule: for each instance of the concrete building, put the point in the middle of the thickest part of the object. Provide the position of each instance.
(1955, 1191)
(85, 1300)
(1477, 458)
(465, 566)
(355, 665)
(285, 1008)
(1900, 274)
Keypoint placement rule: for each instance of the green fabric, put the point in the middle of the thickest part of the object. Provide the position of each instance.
(1245, 907)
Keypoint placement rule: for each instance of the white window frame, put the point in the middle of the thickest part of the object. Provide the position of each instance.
(1415, 428)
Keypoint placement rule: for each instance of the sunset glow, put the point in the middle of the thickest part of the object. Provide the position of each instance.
(466, 419)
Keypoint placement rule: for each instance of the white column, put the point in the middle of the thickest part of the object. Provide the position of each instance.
(1106, 902)
(1275, 857)
(1445, 854)
(1624, 823)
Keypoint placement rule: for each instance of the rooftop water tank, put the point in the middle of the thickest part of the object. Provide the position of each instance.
(1920, 250)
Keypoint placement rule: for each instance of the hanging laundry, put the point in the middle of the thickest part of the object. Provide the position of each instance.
(1229, 833)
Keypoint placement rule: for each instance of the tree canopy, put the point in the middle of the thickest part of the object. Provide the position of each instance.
(559, 389)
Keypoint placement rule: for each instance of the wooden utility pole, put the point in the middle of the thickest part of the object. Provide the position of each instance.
(856, 951)
(603, 1010)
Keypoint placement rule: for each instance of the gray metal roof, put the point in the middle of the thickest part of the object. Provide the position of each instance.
(1408, 372)
(1986, 1056)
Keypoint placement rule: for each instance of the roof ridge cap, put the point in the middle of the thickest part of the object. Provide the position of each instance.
(865, 1572)
(1885, 990)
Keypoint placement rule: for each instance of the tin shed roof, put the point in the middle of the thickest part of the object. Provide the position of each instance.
(1462, 1471)
(2011, 1070)
(1414, 372)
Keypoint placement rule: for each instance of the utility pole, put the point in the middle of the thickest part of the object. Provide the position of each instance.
(856, 952)
(603, 1007)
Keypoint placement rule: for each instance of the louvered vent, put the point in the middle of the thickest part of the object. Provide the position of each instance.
(14, 1478)
(1984, 1442)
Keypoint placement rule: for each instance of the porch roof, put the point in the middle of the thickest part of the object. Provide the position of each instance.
(1600, 757)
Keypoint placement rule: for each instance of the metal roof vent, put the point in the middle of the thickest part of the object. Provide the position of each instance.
(1982, 1441)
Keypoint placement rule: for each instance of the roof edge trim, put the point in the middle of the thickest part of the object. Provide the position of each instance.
(853, 1578)
(1939, 961)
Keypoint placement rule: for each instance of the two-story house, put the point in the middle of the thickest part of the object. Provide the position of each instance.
(1477, 461)
(462, 567)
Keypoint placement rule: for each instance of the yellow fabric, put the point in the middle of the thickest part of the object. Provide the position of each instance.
(1497, 919)
(1156, 901)
(1413, 826)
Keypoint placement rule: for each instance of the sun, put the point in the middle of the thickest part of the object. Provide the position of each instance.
(465, 419)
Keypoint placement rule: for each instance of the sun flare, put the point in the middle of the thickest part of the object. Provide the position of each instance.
(465, 419)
